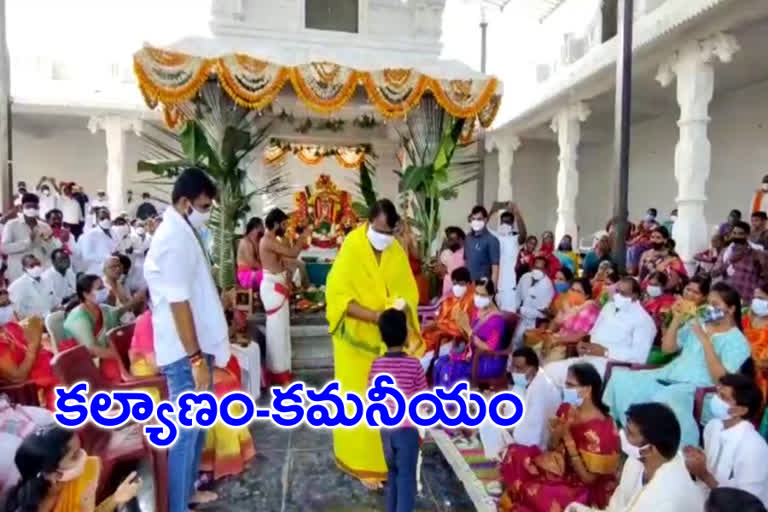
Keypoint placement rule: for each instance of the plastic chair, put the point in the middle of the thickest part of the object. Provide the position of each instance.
(114, 447)
(429, 312)
(120, 340)
(54, 324)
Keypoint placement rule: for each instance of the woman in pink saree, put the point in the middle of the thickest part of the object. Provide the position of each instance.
(583, 457)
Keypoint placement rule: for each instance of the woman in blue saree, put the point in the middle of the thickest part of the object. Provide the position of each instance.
(706, 353)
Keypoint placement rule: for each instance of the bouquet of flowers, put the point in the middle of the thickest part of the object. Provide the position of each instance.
(688, 309)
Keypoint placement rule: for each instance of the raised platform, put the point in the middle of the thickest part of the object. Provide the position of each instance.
(312, 347)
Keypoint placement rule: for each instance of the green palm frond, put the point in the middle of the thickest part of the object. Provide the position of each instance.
(223, 139)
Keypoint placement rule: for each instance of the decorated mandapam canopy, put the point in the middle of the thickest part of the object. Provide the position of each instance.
(169, 78)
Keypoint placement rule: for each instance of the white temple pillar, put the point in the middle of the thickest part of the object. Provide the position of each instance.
(567, 125)
(114, 127)
(693, 66)
(506, 145)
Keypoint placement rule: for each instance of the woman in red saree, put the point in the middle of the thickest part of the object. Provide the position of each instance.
(659, 298)
(22, 358)
(583, 457)
(548, 251)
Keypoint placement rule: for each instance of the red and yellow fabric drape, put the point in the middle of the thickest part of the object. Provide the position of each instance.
(171, 78)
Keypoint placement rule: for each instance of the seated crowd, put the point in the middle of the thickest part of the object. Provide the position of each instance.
(634, 384)
(666, 366)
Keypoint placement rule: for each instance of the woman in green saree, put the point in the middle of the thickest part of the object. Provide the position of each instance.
(89, 320)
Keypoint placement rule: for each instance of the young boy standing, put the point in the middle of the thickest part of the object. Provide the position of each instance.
(401, 444)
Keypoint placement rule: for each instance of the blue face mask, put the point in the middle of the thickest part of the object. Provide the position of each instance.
(520, 379)
(561, 287)
(713, 315)
(571, 396)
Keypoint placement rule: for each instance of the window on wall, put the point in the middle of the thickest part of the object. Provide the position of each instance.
(335, 15)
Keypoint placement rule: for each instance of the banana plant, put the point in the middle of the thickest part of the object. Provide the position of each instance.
(431, 141)
(222, 139)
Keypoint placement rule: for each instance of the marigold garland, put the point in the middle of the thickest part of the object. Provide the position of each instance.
(460, 98)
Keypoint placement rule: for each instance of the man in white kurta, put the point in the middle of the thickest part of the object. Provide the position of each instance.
(536, 293)
(654, 478)
(735, 454)
(60, 277)
(30, 295)
(96, 245)
(27, 234)
(511, 233)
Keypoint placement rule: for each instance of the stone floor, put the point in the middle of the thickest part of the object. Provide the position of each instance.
(295, 471)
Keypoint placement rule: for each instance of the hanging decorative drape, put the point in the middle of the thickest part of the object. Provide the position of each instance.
(170, 78)
(348, 157)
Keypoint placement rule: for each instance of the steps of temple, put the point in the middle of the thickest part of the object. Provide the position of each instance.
(311, 344)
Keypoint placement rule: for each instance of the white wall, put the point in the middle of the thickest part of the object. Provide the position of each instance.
(739, 137)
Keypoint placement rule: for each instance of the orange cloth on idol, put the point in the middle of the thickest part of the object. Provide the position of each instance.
(445, 326)
(758, 341)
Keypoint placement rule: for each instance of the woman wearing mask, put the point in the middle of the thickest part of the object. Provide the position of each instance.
(548, 251)
(89, 320)
(452, 257)
(661, 258)
(526, 255)
(567, 256)
(599, 254)
(708, 349)
(485, 332)
(641, 240)
(22, 358)
(658, 298)
(755, 324)
(57, 475)
(580, 465)
(576, 319)
(562, 283)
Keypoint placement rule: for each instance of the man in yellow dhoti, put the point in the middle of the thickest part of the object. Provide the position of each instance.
(370, 275)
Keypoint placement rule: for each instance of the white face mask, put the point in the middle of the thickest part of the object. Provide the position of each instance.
(459, 290)
(379, 241)
(6, 314)
(100, 296)
(477, 225)
(482, 302)
(621, 301)
(120, 231)
(35, 272)
(654, 291)
(632, 451)
(505, 230)
(31, 213)
(140, 231)
(74, 471)
(105, 224)
(537, 274)
(720, 408)
(760, 307)
(764, 186)
(197, 218)
(673, 218)
(46, 192)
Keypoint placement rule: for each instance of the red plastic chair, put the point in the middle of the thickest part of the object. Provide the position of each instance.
(114, 447)
(25, 393)
(120, 341)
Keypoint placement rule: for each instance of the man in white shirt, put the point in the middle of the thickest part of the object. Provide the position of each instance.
(654, 478)
(541, 398)
(140, 242)
(735, 454)
(60, 277)
(624, 332)
(96, 245)
(71, 211)
(121, 232)
(512, 232)
(101, 202)
(187, 318)
(48, 197)
(29, 293)
(27, 234)
(536, 294)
